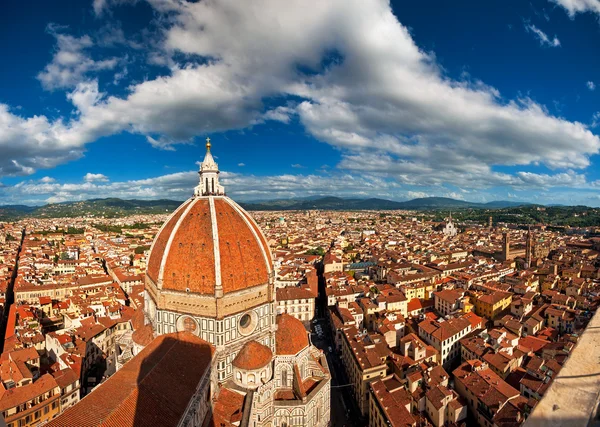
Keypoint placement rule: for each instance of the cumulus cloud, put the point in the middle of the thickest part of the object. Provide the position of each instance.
(281, 114)
(175, 186)
(542, 37)
(591, 85)
(247, 187)
(71, 62)
(95, 177)
(579, 6)
(179, 186)
(374, 95)
(28, 144)
(417, 194)
(400, 104)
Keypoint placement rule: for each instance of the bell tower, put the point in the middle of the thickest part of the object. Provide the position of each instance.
(505, 246)
(528, 249)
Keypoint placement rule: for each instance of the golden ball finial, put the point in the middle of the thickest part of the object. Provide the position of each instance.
(208, 144)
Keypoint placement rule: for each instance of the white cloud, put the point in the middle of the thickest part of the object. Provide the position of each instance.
(47, 180)
(28, 144)
(579, 6)
(542, 37)
(417, 194)
(95, 177)
(379, 99)
(102, 6)
(591, 85)
(161, 143)
(280, 114)
(179, 186)
(71, 63)
(349, 105)
(241, 164)
(595, 120)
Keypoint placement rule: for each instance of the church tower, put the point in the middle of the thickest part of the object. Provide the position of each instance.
(528, 248)
(505, 246)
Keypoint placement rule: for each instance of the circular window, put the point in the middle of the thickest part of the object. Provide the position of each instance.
(187, 324)
(245, 321)
(248, 323)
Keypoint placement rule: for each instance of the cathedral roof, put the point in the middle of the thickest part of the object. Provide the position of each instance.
(291, 336)
(253, 356)
(209, 242)
(153, 388)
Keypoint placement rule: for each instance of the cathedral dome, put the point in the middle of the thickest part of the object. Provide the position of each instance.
(253, 356)
(291, 336)
(209, 245)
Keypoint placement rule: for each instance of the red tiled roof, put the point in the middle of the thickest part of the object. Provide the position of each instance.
(186, 248)
(160, 242)
(291, 336)
(253, 356)
(65, 377)
(153, 388)
(228, 409)
(18, 395)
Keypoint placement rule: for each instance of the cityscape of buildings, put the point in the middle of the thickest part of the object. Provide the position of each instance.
(212, 316)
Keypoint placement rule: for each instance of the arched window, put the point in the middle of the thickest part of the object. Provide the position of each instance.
(213, 185)
(206, 185)
(251, 379)
(284, 377)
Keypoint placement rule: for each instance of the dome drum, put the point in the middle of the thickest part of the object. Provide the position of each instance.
(252, 365)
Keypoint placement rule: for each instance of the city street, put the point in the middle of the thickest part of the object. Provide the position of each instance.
(343, 409)
(344, 412)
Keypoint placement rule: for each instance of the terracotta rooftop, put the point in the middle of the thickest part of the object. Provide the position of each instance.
(228, 408)
(253, 356)
(291, 336)
(153, 388)
(189, 234)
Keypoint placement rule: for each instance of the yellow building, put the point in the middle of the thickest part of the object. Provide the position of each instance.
(32, 404)
(364, 361)
(490, 305)
(468, 306)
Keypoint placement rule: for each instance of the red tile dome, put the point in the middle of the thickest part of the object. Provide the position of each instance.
(291, 336)
(253, 356)
(209, 243)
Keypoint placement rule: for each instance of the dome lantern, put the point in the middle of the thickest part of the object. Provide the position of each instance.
(209, 176)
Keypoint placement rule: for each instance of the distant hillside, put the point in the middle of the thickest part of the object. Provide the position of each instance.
(113, 207)
(108, 208)
(336, 203)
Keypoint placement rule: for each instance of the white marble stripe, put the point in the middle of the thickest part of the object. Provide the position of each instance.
(162, 227)
(215, 231)
(168, 247)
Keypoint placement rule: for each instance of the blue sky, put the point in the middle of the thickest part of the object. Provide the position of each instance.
(474, 100)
